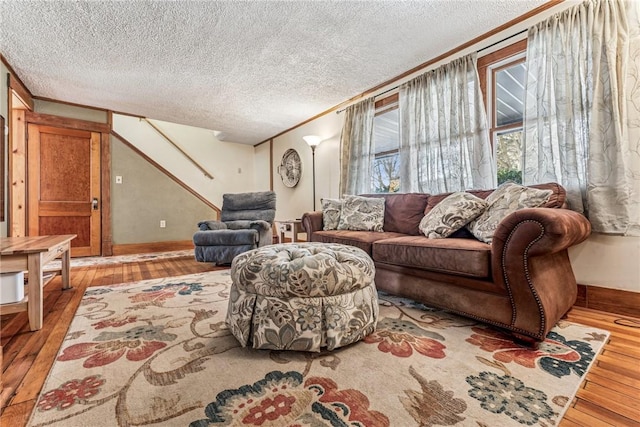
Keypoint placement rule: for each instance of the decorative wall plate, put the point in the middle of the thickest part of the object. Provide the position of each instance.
(290, 169)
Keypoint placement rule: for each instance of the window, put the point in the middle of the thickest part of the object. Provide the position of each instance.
(386, 142)
(502, 75)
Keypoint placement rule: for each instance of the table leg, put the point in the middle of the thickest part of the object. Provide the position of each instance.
(34, 303)
(66, 262)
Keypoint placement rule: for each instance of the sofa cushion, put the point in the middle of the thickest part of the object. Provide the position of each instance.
(362, 213)
(359, 239)
(331, 210)
(465, 257)
(556, 200)
(506, 199)
(451, 215)
(403, 211)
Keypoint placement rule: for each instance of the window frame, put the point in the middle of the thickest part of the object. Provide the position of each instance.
(382, 106)
(488, 66)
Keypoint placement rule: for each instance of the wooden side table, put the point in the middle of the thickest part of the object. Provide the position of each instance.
(30, 254)
(290, 229)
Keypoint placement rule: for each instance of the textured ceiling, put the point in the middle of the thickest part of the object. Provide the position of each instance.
(249, 69)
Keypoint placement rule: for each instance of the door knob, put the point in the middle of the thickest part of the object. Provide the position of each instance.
(94, 204)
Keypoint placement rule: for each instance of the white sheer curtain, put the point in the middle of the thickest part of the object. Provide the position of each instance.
(582, 111)
(444, 141)
(356, 151)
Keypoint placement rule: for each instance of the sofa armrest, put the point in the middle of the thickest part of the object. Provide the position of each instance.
(311, 222)
(529, 259)
(541, 230)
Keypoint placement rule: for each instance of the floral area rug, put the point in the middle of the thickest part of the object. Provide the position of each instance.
(120, 259)
(158, 353)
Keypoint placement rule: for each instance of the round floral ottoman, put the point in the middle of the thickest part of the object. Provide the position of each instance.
(302, 296)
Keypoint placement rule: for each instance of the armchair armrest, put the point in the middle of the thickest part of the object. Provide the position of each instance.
(257, 224)
(211, 225)
(312, 221)
(260, 225)
(529, 259)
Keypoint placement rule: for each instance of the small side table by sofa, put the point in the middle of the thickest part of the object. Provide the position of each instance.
(290, 229)
(30, 254)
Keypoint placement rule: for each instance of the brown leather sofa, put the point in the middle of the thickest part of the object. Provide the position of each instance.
(522, 281)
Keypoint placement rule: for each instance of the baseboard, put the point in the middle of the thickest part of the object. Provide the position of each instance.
(616, 301)
(142, 248)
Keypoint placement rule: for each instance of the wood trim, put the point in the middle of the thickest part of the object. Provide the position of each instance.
(166, 172)
(73, 104)
(15, 83)
(2, 174)
(141, 248)
(384, 102)
(105, 190)
(504, 53)
(499, 55)
(271, 164)
(122, 113)
(64, 122)
(373, 90)
(616, 301)
(33, 181)
(17, 174)
(21, 91)
(96, 187)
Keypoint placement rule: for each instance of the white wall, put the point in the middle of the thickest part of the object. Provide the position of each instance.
(293, 202)
(231, 164)
(608, 261)
(261, 167)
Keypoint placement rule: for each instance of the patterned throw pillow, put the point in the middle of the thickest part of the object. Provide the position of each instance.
(451, 214)
(506, 199)
(362, 213)
(331, 209)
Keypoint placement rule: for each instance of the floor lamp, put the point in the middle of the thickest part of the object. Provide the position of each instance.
(313, 142)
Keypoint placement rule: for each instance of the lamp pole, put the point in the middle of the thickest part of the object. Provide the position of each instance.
(313, 142)
(313, 166)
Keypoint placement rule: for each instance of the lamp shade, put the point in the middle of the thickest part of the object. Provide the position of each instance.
(312, 140)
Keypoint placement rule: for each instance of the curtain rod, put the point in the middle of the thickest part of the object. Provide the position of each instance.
(478, 51)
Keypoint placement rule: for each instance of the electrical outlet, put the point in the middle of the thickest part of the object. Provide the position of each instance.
(163, 223)
(118, 179)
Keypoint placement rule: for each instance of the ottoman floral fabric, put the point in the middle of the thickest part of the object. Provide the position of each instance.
(302, 296)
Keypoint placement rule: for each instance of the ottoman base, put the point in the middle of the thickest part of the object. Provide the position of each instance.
(302, 296)
(302, 324)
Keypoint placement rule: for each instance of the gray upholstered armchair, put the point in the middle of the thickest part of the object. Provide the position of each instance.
(245, 223)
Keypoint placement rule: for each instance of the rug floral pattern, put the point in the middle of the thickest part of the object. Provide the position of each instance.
(158, 353)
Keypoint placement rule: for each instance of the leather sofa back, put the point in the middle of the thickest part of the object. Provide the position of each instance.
(403, 211)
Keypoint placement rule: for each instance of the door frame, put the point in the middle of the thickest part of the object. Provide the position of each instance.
(105, 165)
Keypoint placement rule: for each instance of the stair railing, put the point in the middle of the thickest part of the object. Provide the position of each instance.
(178, 147)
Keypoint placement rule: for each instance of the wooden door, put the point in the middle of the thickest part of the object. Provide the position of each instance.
(64, 185)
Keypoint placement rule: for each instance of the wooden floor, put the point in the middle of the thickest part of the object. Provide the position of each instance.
(610, 395)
